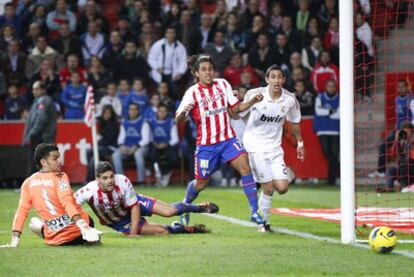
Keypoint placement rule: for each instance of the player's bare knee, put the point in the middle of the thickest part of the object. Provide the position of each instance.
(268, 188)
(201, 184)
(281, 186)
(170, 211)
(244, 169)
(282, 190)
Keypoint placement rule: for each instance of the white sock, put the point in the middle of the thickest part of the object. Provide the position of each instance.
(265, 203)
(36, 226)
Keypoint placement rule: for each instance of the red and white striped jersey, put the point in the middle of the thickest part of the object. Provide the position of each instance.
(109, 207)
(210, 110)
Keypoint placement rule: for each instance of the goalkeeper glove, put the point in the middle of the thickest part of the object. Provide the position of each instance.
(88, 233)
(14, 242)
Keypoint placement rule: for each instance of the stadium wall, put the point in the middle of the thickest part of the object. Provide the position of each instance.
(74, 139)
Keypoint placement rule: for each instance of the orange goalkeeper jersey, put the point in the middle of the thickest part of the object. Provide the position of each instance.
(50, 194)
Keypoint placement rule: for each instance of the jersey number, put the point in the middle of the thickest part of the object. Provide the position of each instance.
(49, 204)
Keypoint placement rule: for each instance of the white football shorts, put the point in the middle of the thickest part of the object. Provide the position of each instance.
(268, 166)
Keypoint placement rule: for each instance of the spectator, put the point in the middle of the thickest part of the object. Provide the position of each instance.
(261, 56)
(258, 26)
(303, 15)
(7, 35)
(326, 126)
(72, 65)
(112, 51)
(41, 52)
(305, 98)
(133, 141)
(293, 37)
(29, 41)
(91, 14)
(326, 12)
(233, 72)
(282, 52)
(49, 79)
(41, 123)
(98, 77)
(332, 34)
(387, 150)
(188, 34)
(234, 36)
(14, 104)
(39, 17)
(165, 97)
(311, 53)
(59, 16)
(110, 99)
(123, 95)
(67, 43)
(163, 146)
(147, 38)
(295, 61)
(73, 98)
(364, 32)
(172, 17)
(220, 14)
(151, 111)
(13, 64)
(131, 64)
(9, 18)
(311, 31)
(139, 95)
(124, 29)
(93, 43)
(276, 16)
(108, 132)
(364, 71)
(168, 61)
(324, 71)
(206, 29)
(404, 104)
(188, 145)
(403, 169)
(219, 51)
(248, 15)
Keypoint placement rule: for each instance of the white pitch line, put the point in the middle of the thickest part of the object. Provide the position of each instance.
(304, 235)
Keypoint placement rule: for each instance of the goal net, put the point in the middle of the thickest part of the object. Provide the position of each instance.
(383, 78)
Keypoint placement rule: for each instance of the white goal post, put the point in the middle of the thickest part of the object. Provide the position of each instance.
(346, 61)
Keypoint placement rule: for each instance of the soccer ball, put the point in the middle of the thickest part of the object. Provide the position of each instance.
(382, 240)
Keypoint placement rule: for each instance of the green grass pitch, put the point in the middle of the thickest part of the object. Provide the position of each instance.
(230, 250)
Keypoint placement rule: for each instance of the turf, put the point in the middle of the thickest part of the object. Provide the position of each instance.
(230, 250)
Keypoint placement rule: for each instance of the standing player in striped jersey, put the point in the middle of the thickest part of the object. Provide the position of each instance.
(62, 221)
(116, 204)
(209, 101)
(263, 136)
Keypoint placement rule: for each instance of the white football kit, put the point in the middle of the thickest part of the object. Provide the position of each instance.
(262, 137)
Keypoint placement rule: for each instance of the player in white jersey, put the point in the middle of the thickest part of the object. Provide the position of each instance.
(263, 136)
(209, 101)
(116, 204)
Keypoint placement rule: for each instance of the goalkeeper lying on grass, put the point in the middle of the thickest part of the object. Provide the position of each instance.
(62, 221)
(114, 201)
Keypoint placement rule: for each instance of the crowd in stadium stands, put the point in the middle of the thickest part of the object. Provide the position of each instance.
(136, 59)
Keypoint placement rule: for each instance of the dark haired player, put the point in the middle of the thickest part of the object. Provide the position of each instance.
(209, 101)
(62, 221)
(116, 204)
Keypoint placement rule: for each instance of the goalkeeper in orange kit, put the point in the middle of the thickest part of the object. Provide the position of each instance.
(62, 221)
